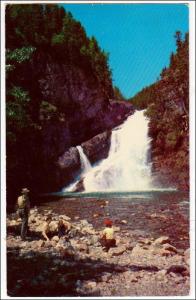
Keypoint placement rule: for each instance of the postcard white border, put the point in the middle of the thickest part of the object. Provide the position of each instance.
(191, 5)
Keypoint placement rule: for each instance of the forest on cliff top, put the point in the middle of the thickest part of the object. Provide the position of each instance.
(167, 104)
(49, 28)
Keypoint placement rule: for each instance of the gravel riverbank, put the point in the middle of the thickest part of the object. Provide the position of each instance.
(144, 263)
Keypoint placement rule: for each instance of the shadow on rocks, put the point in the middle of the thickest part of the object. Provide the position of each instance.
(31, 235)
(35, 273)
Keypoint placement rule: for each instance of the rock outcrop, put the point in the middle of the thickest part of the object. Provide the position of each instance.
(74, 110)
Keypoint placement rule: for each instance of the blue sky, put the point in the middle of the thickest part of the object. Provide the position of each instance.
(138, 37)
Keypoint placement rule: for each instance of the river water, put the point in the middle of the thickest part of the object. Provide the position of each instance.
(146, 214)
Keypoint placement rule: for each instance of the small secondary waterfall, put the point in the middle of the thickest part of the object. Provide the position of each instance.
(85, 163)
(126, 168)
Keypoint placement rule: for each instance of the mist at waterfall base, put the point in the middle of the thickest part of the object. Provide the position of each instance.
(127, 167)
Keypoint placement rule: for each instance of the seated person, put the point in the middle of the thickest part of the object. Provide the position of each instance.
(107, 238)
(46, 228)
(63, 227)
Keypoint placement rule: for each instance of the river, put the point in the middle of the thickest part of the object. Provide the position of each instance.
(150, 214)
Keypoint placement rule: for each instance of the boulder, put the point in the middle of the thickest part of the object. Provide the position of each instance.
(161, 273)
(88, 230)
(40, 243)
(97, 148)
(181, 269)
(187, 256)
(55, 239)
(91, 284)
(170, 248)
(117, 251)
(164, 252)
(116, 228)
(124, 222)
(94, 240)
(161, 240)
(145, 241)
(133, 279)
(64, 217)
(106, 277)
(131, 245)
(84, 223)
(82, 247)
(32, 218)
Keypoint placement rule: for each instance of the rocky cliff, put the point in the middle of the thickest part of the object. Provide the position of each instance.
(167, 104)
(59, 94)
(73, 110)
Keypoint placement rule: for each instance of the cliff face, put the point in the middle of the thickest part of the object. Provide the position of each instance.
(58, 95)
(75, 110)
(167, 104)
(170, 137)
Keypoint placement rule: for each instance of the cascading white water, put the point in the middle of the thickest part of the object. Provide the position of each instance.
(85, 163)
(126, 168)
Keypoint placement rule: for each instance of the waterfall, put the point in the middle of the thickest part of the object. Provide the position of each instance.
(85, 163)
(126, 168)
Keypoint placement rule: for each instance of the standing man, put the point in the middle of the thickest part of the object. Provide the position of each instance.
(23, 210)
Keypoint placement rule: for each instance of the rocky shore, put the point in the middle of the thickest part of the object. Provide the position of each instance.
(137, 266)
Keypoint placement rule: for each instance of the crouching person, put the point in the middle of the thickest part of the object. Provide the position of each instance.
(63, 228)
(46, 232)
(107, 237)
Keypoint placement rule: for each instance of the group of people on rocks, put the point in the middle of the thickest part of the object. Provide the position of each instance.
(107, 239)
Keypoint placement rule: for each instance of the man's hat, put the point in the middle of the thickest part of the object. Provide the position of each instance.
(108, 222)
(25, 190)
